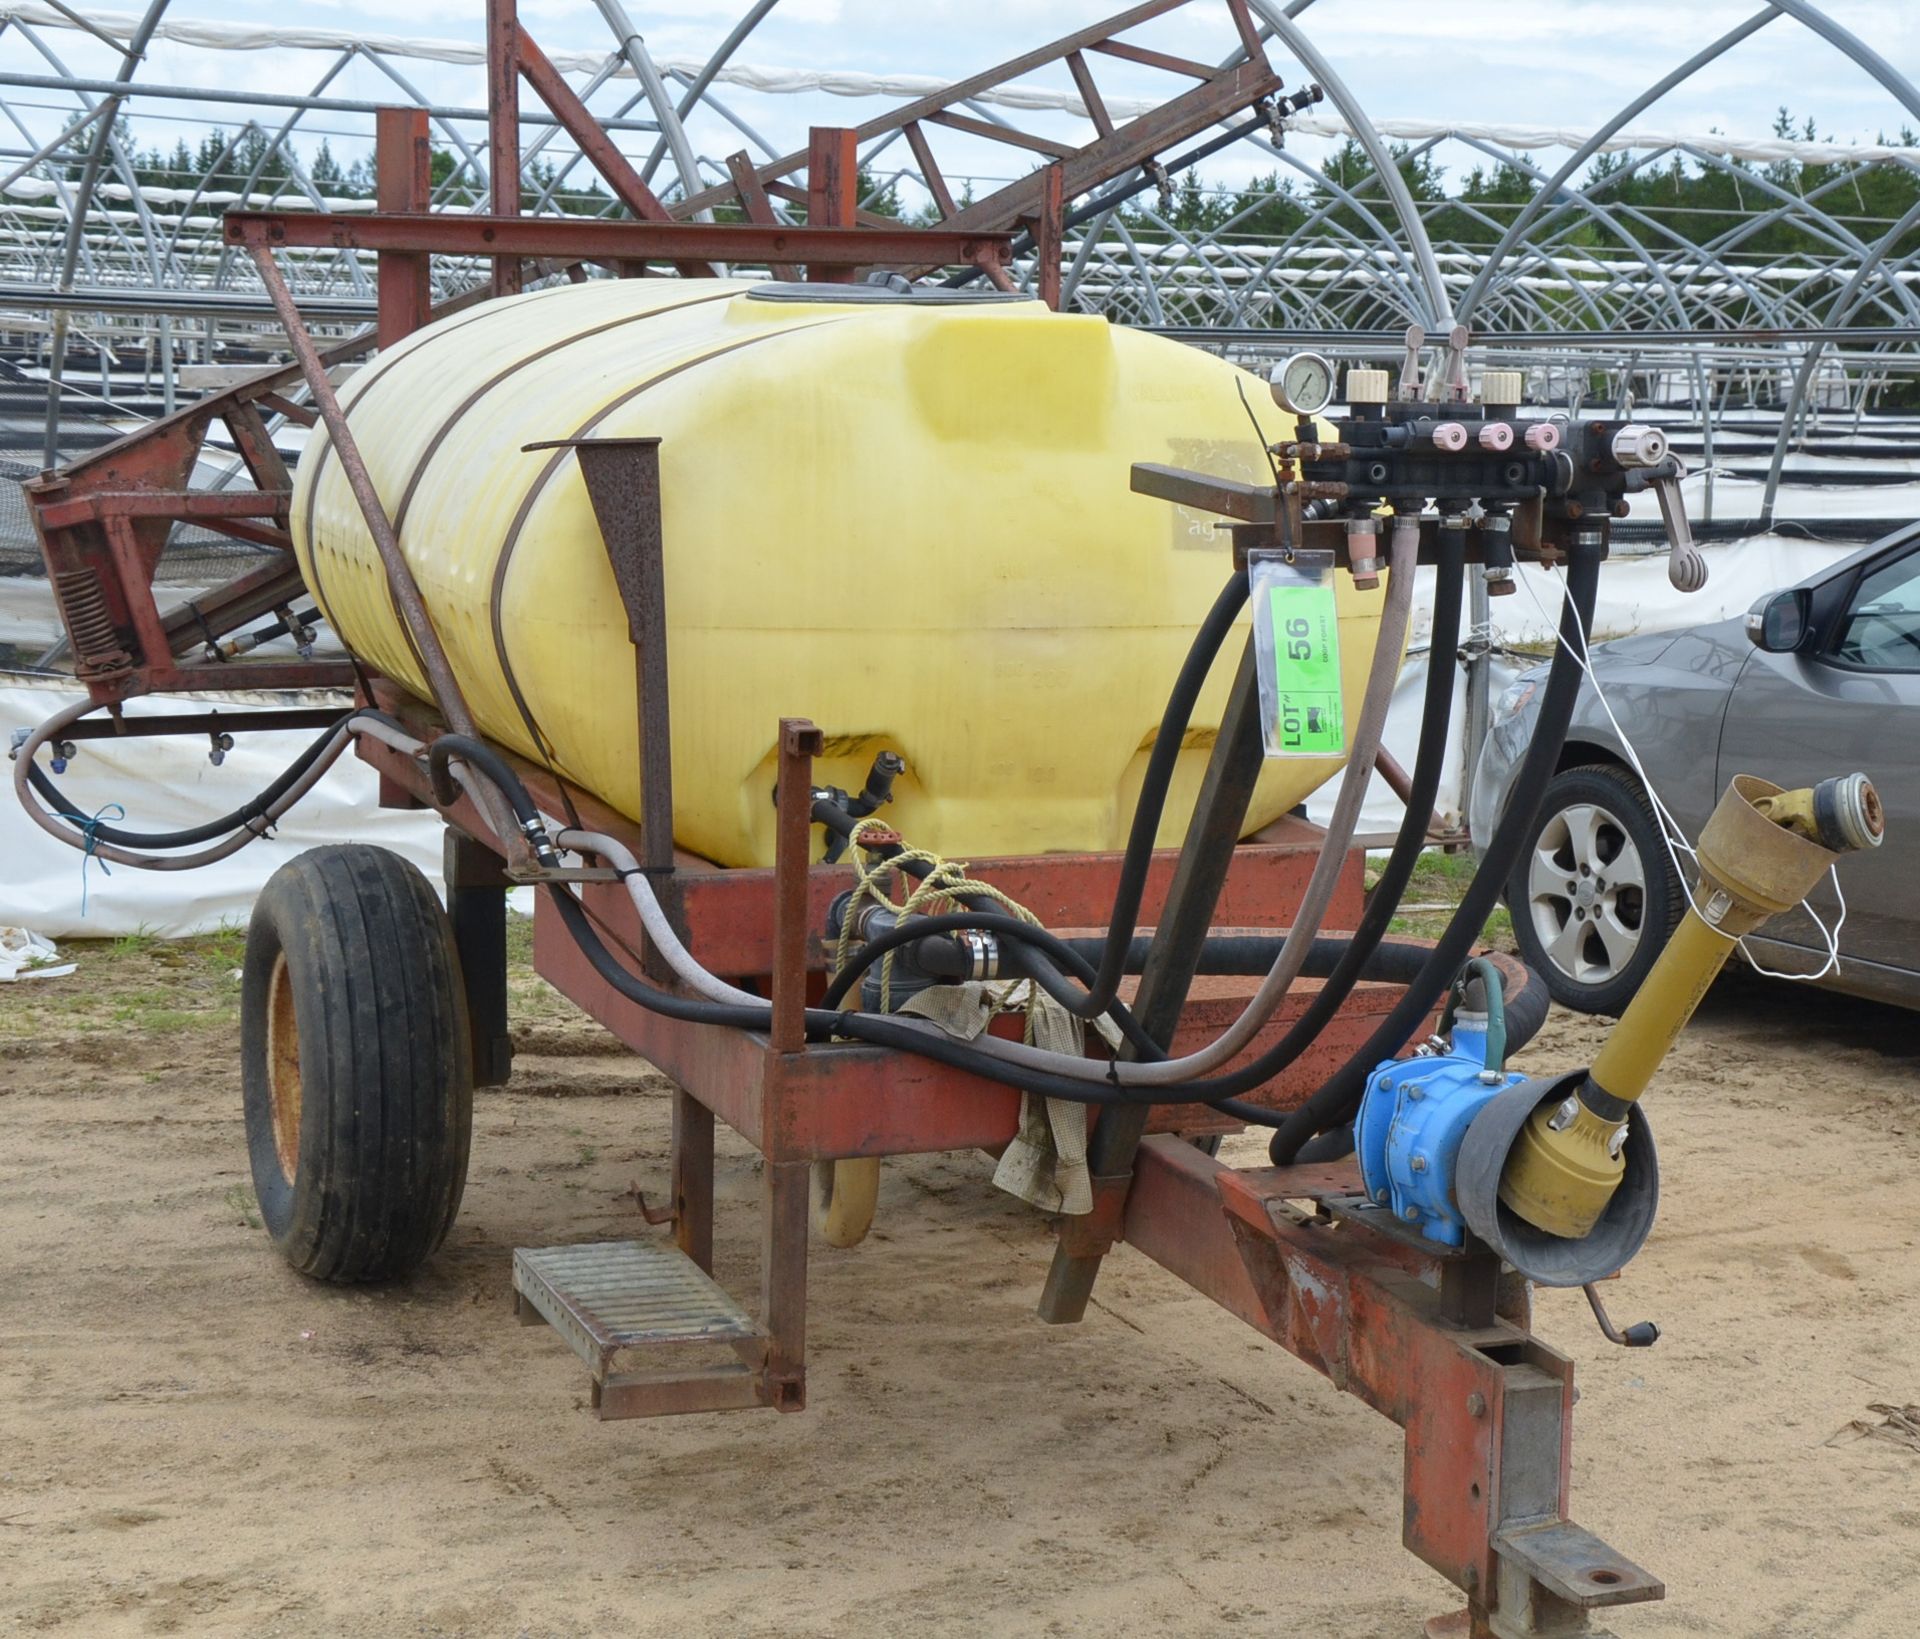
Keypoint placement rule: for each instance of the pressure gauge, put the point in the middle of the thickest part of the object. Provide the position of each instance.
(1303, 384)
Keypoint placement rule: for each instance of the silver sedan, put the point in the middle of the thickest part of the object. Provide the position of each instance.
(1820, 677)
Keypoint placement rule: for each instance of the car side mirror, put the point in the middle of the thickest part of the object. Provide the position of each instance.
(1781, 621)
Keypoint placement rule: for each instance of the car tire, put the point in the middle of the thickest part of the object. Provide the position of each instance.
(356, 1065)
(1594, 895)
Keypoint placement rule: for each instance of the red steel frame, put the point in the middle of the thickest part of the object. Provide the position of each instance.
(1420, 1334)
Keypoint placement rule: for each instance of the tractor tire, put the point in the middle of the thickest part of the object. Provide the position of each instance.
(357, 1070)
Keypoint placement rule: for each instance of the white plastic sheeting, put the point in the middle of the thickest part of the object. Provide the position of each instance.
(227, 36)
(25, 954)
(166, 785)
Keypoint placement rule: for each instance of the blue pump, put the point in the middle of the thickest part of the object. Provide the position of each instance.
(1413, 1116)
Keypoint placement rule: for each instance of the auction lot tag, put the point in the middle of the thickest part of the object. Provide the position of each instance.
(1296, 637)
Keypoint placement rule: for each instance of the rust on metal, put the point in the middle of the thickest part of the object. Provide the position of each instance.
(833, 187)
(1048, 227)
(403, 181)
(1401, 1325)
(601, 239)
(655, 1215)
(622, 476)
(800, 742)
(503, 130)
(786, 1188)
(756, 204)
(693, 1178)
(406, 591)
(1485, 1408)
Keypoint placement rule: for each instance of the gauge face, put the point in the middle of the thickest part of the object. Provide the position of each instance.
(1303, 384)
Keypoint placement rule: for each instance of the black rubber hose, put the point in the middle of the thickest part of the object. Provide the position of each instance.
(822, 1023)
(1339, 1096)
(490, 763)
(1043, 973)
(1155, 784)
(1251, 955)
(984, 906)
(1526, 1011)
(1430, 755)
(245, 814)
(876, 1028)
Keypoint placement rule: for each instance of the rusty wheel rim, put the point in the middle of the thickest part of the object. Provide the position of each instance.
(283, 1066)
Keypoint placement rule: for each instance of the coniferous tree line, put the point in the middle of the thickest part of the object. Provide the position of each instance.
(1662, 207)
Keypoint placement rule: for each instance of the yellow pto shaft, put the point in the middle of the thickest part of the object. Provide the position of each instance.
(1761, 853)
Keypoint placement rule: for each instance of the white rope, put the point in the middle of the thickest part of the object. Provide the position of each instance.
(1670, 830)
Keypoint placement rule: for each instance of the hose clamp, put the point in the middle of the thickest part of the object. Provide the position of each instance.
(983, 953)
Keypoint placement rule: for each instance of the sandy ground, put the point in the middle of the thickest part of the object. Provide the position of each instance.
(195, 1440)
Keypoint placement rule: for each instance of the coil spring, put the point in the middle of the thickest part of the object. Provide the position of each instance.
(96, 644)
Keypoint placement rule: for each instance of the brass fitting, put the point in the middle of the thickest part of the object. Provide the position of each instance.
(1760, 853)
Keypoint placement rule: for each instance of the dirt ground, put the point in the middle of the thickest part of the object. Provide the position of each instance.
(195, 1440)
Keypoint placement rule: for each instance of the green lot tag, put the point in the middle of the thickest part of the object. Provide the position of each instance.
(1299, 651)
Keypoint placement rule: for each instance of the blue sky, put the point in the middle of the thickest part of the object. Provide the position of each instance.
(1568, 63)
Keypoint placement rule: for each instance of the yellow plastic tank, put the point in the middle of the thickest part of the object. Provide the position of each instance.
(910, 523)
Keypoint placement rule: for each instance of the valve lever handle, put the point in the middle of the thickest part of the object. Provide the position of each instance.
(1410, 368)
(1685, 567)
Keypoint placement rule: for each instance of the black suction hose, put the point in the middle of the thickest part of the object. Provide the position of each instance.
(1526, 1011)
(1339, 1096)
(1235, 955)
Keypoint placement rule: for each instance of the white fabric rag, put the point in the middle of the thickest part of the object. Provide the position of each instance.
(1046, 1164)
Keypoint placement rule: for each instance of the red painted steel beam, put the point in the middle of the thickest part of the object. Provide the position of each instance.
(201, 506)
(550, 85)
(833, 185)
(800, 743)
(598, 239)
(759, 208)
(1047, 226)
(1223, 94)
(235, 675)
(730, 912)
(852, 1099)
(732, 928)
(956, 95)
(1342, 1300)
(503, 129)
(403, 182)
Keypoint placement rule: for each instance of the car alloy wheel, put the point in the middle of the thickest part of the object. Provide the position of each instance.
(1587, 893)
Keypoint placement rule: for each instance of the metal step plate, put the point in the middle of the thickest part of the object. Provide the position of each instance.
(607, 1296)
